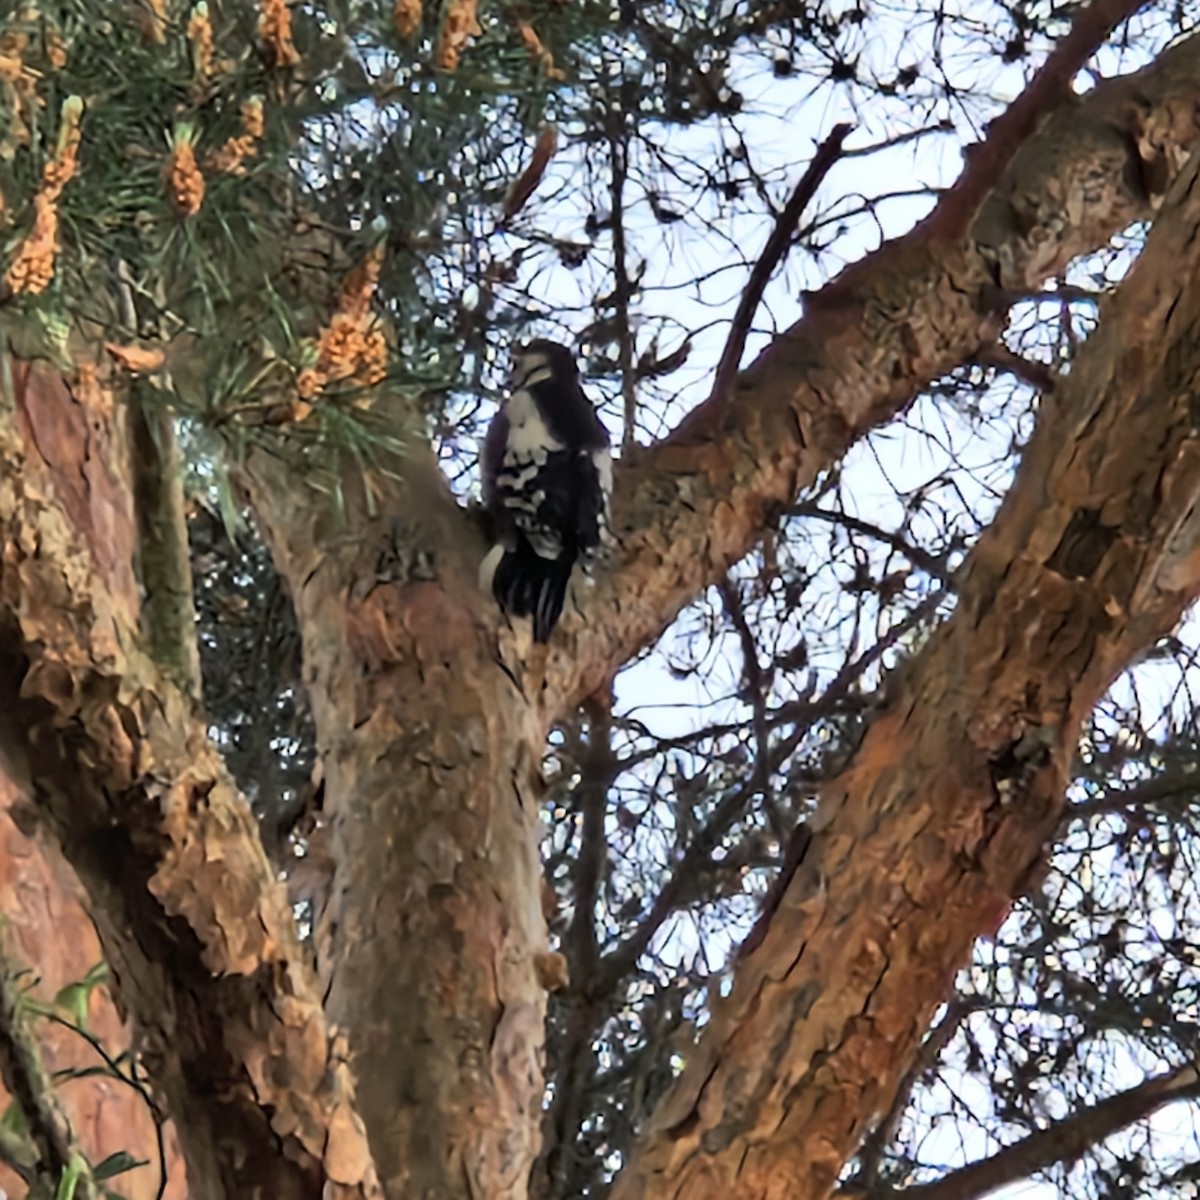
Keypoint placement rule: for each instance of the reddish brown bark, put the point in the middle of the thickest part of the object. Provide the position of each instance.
(432, 937)
(116, 765)
(47, 927)
(948, 803)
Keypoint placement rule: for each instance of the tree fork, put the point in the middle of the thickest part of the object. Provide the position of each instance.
(430, 942)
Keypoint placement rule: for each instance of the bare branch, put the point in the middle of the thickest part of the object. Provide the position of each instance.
(1059, 1142)
(869, 343)
(622, 295)
(1038, 375)
(757, 686)
(948, 802)
(826, 155)
(921, 559)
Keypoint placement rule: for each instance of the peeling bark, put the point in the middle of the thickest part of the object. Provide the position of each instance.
(948, 803)
(194, 925)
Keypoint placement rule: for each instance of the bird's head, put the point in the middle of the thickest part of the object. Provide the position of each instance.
(541, 359)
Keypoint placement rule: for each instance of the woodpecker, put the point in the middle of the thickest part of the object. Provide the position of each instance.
(547, 475)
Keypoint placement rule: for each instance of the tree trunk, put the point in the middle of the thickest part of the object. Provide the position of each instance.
(196, 929)
(433, 938)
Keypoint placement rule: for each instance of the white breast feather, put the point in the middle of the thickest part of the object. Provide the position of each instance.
(528, 438)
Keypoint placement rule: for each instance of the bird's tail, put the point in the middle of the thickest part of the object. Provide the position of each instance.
(527, 585)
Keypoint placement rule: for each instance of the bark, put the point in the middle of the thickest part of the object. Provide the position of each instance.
(948, 803)
(194, 925)
(48, 927)
(433, 940)
(164, 564)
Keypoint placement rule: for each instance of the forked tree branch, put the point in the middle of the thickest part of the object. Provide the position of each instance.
(987, 161)
(945, 807)
(688, 507)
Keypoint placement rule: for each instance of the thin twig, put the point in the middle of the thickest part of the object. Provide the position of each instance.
(28, 1082)
(756, 685)
(931, 564)
(132, 1080)
(1038, 375)
(988, 160)
(827, 154)
(622, 292)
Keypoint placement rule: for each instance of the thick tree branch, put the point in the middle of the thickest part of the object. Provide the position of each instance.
(1009, 132)
(947, 804)
(1060, 1141)
(886, 328)
(194, 923)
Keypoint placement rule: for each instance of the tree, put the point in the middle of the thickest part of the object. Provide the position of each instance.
(281, 247)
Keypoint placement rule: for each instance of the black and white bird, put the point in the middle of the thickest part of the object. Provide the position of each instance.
(547, 476)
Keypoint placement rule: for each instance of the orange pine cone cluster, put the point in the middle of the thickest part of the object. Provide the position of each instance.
(18, 90)
(200, 36)
(537, 50)
(185, 183)
(459, 26)
(275, 29)
(231, 157)
(33, 267)
(56, 49)
(406, 17)
(154, 21)
(352, 347)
